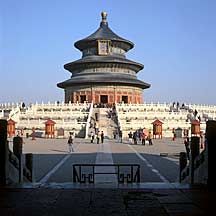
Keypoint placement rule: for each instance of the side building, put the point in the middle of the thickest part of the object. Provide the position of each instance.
(104, 75)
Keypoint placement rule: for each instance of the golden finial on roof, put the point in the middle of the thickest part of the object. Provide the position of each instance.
(104, 16)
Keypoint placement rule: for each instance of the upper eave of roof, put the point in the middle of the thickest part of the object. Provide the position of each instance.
(103, 33)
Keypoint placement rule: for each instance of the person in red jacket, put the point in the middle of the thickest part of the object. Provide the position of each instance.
(143, 136)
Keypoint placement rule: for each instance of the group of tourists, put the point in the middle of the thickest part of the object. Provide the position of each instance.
(134, 137)
(140, 135)
(99, 136)
(117, 134)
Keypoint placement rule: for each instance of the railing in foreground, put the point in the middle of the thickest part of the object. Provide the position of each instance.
(85, 173)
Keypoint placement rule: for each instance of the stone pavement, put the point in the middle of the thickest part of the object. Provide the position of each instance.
(52, 153)
(105, 201)
(59, 146)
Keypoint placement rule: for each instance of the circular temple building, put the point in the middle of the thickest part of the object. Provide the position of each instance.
(104, 75)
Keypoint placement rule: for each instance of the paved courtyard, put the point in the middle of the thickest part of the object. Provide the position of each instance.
(53, 193)
(53, 162)
(59, 146)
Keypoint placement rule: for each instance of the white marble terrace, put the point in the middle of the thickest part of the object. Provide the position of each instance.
(130, 116)
(135, 116)
(68, 116)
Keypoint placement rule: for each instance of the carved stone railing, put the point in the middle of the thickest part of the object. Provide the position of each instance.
(131, 175)
(23, 163)
(88, 120)
(199, 160)
(195, 162)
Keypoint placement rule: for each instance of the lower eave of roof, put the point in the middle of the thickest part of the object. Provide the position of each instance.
(139, 84)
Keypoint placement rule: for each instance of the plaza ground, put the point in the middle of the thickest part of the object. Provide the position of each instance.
(159, 162)
(62, 197)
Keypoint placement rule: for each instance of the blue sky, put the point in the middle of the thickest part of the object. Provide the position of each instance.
(174, 39)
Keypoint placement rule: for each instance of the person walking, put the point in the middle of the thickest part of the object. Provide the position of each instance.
(102, 136)
(96, 127)
(130, 137)
(143, 138)
(135, 137)
(114, 134)
(150, 138)
(71, 142)
(120, 136)
(98, 137)
(92, 137)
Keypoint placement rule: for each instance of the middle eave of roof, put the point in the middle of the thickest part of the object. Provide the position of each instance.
(102, 59)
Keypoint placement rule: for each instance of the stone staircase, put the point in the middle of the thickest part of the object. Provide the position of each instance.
(106, 124)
